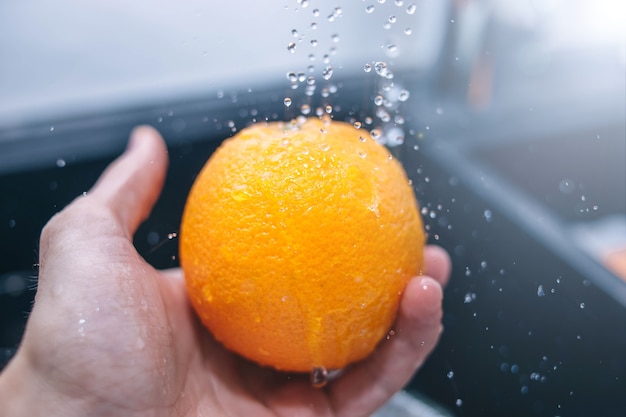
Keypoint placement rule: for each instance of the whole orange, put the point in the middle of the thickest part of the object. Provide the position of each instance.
(297, 241)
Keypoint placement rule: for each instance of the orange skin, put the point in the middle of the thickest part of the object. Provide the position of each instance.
(297, 241)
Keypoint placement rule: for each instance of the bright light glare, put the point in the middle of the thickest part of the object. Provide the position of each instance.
(581, 23)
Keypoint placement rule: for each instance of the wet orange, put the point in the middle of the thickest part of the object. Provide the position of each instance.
(297, 241)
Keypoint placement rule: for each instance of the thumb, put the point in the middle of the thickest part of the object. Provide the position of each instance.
(130, 186)
(120, 200)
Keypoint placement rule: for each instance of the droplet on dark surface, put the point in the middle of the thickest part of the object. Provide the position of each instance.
(319, 377)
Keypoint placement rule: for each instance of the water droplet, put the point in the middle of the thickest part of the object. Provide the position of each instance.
(291, 76)
(60, 163)
(367, 67)
(540, 292)
(378, 100)
(376, 133)
(488, 215)
(469, 297)
(369, 9)
(450, 375)
(392, 19)
(403, 95)
(52, 128)
(324, 146)
(411, 9)
(327, 73)
(362, 154)
(381, 68)
(582, 305)
(459, 402)
(314, 42)
(357, 125)
(305, 109)
(567, 186)
(81, 326)
(408, 31)
(287, 102)
(316, 12)
(294, 33)
(390, 334)
(291, 47)
(171, 236)
(319, 377)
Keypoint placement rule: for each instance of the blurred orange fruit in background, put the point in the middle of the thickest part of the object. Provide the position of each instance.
(297, 241)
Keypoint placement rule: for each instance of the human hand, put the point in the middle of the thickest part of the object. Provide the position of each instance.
(111, 335)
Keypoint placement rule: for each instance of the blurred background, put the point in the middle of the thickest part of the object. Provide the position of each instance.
(508, 116)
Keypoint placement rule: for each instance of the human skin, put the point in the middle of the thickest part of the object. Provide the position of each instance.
(109, 335)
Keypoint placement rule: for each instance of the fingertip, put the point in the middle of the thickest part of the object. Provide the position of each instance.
(438, 264)
(422, 299)
(148, 138)
(130, 186)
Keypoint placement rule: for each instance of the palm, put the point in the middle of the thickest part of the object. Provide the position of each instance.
(112, 334)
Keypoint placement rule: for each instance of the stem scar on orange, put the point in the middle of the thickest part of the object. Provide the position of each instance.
(297, 240)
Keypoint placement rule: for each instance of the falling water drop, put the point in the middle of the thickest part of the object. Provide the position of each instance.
(327, 73)
(319, 376)
(403, 95)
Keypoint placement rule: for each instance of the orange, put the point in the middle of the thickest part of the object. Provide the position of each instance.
(297, 240)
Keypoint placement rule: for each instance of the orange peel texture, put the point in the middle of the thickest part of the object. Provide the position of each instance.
(297, 241)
